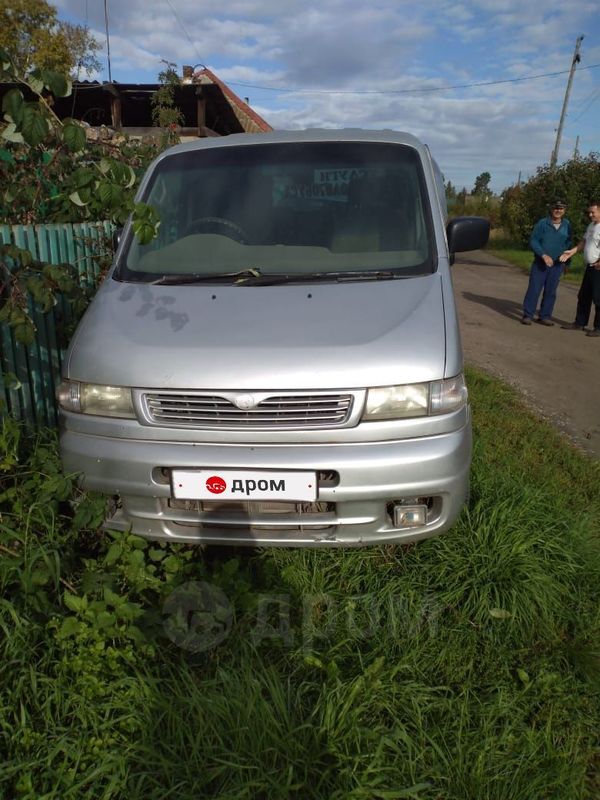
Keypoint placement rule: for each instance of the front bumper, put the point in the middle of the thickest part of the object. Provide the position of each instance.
(352, 510)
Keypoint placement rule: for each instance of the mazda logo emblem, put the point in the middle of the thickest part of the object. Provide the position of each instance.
(245, 402)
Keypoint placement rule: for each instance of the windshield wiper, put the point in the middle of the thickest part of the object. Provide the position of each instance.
(217, 277)
(254, 277)
(315, 277)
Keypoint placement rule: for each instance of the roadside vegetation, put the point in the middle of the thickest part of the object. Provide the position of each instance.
(513, 214)
(466, 666)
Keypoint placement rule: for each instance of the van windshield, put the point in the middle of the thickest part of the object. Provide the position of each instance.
(288, 209)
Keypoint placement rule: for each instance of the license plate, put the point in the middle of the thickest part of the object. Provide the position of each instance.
(233, 484)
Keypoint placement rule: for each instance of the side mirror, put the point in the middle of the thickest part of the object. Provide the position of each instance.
(116, 238)
(467, 233)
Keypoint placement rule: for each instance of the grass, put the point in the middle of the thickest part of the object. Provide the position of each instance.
(467, 666)
(510, 251)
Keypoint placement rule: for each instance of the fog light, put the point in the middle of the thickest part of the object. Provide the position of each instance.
(409, 516)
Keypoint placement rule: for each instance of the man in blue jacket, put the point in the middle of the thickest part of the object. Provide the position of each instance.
(550, 237)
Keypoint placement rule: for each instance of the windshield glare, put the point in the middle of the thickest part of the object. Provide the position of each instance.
(293, 208)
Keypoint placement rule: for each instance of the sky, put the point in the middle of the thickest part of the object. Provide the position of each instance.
(388, 64)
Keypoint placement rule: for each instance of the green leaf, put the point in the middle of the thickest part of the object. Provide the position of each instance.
(172, 564)
(146, 222)
(11, 134)
(105, 619)
(36, 83)
(110, 194)
(75, 603)
(136, 558)
(40, 576)
(57, 83)
(13, 105)
(112, 598)
(114, 554)
(129, 611)
(74, 137)
(70, 627)
(130, 180)
(500, 613)
(75, 198)
(312, 661)
(83, 177)
(25, 332)
(523, 676)
(34, 126)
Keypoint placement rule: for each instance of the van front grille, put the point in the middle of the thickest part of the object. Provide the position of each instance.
(197, 410)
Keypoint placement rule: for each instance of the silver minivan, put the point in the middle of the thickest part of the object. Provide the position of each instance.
(282, 364)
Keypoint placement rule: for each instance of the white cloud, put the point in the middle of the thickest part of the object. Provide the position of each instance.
(387, 45)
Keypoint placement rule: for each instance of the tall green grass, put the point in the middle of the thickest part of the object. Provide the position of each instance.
(467, 666)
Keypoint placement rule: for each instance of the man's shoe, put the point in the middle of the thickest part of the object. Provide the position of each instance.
(526, 321)
(547, 322)
(572, 326)
(595, 332)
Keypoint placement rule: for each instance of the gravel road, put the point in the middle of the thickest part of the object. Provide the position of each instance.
(557, 371)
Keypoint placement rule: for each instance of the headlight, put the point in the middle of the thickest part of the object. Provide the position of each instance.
(91, 398)
(415, 399)
(395, 402)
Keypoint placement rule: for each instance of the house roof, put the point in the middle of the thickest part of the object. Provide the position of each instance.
(93, 102)
(250, 120)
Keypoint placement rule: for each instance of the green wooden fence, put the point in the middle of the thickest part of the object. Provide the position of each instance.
(29, 374)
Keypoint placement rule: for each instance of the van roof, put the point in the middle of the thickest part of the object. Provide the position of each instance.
(308, 135)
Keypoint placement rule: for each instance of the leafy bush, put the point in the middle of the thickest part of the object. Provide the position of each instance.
(51, 173)
(576, 182)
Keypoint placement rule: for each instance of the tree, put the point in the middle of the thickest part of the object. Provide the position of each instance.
(450, 191)
(576, 182)
(82, 48)
(482, 184)
(48, 163)
(32, 35)
(165, 113)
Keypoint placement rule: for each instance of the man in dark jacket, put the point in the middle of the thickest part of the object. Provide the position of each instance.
(550, 237)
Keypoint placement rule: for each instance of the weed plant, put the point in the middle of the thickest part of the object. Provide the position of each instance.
(465, 667)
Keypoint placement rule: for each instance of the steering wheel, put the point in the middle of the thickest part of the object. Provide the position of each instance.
(228, 228)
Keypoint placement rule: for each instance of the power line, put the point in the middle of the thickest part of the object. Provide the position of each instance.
(184, 29)
(594, 96)
(425, 89)
(583, 101)
(107, 40)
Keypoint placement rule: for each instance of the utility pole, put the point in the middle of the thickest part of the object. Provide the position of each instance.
(576, 60)
(576, 151)
(107, 39)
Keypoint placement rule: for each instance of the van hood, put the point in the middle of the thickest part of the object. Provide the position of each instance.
(287, 337)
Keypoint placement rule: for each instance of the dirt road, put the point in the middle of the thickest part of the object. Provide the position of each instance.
(557, 371)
